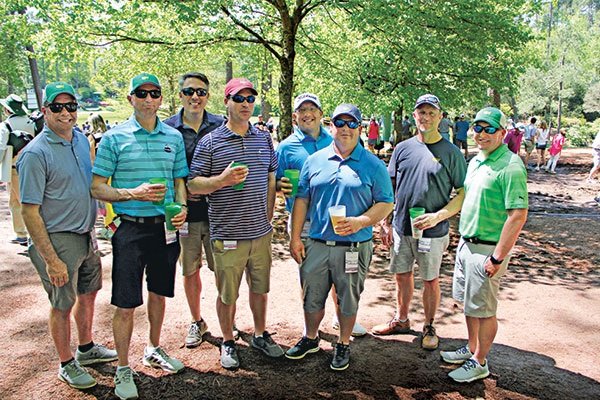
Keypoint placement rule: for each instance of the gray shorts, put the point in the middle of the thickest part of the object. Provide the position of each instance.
(325, 265)
(191, 248)
(405, 252)
(470, 283)
(83, 266)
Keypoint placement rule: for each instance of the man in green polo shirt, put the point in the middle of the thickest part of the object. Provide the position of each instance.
(493, 214)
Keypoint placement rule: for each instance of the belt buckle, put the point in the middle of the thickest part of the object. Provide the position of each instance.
(330, 242)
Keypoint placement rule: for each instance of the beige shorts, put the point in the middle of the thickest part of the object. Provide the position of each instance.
(528, 145)
(252, 256)
(191, 248)
(405, 252)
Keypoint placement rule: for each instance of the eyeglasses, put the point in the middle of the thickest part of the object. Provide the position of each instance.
(339, 123)
(238, 98)
(307, 110)
(142, 94)
(188, 91)
(487, 129)
(58, 107)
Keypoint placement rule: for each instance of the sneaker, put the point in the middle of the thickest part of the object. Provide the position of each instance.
(341, 357)
(590, 181)
(76, 376)
(470, 371)
(553, 172)
(537, 169)
(159, 359)
(357, 330)
(236, 333)
(597, 199)
(96, 354)
(429, 340)
(195, 332)
(392, 327)
(266, 345)
(124, 385)
(229, 355)
(19, 240)
(457, 357)
(303, 347)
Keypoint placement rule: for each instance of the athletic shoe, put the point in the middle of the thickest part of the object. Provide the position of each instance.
(341, 357)
(357, 330)
(537, 169)
(236, 333)
(159, 359)
(195, 332)
(597, 200)
(590, 181)
(19, 240)
(229, 356)
(124, 385)
(430, 340)
(76, 376)
(392, 327)
(96, 354)
(266, 345)
(470, 371)
(553, 172)
(303, 347)
(457, 357)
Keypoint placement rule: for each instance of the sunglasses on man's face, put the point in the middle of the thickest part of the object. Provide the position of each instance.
(339, 123)
(188, 91)
(238, 98)
(487, 129)
(142, 94)
(58, 107)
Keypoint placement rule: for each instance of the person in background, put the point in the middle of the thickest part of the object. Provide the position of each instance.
(596, 155)
(543, 134)
(460, 135)
(557, 144)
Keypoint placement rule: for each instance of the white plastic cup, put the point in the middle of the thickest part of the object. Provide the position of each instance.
(337, 213)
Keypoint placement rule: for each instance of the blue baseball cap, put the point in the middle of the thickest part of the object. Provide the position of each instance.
(347, 109)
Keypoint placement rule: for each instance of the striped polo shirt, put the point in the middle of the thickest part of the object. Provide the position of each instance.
(237, 214)
(131, 156)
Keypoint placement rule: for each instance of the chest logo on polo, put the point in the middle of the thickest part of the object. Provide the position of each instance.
(436, 159)
(167, 148)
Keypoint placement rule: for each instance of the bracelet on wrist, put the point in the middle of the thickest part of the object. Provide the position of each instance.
(494, 260)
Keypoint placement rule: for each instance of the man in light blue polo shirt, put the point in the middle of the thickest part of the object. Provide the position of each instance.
(55, 173)
(343, 174)
(131, 154)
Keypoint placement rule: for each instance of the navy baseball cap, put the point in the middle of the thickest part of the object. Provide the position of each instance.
(347, 109)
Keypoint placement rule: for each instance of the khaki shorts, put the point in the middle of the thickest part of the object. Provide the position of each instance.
(191, 248)
(470, 283)
(528, 145)
(252, 256)
(405, 252)
(83, 266)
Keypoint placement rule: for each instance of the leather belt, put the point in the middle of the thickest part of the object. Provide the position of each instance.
(476, 240)
(340, 243)
(158, 219)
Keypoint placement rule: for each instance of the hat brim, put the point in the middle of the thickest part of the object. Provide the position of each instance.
(309, 101)
(490, 121)
(427, 102)
(237, 90)
(22, 111)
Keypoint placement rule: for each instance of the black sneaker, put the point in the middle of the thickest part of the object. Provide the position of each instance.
(303, 347)
(267, 345)
(341, 357)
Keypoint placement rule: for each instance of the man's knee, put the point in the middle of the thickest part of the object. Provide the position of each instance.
(404, 276)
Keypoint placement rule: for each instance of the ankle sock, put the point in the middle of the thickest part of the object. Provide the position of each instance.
(120, 368)
(86, 347)
(64, 363)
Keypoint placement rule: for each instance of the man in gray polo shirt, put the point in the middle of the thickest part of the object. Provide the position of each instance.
(55, 174)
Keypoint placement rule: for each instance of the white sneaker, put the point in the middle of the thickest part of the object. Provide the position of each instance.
(159, 359)
(96, 354)
(537, 169)
(76, 376)
(124, 385)
(470, 371)
(458, 356)
(357, 329)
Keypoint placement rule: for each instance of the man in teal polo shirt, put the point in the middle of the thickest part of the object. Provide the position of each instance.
(131, 154)
(493, 214)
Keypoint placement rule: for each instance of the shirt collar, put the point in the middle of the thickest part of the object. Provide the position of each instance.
(137, 127)
(54, 138)
(355, 155)
(251, 131)
(499, 152)
(303, 137)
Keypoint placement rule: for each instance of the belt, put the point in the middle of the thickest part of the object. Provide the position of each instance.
(158, 219)
(339, 243)
(476, 240)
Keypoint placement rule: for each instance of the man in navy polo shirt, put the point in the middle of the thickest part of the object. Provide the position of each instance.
(132, 153)
(193, 121)
(343, 174)
(240, 217)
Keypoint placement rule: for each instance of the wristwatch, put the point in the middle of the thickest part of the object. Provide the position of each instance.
(495, 261)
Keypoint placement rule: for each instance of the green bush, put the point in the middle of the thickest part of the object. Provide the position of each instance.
(582, 133)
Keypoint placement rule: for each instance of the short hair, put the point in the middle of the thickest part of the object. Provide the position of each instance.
(533, 120)
(196, 75)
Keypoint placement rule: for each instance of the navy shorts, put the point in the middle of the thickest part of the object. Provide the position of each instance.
(137, 247)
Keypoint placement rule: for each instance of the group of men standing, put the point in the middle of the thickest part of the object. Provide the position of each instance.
(204, 159)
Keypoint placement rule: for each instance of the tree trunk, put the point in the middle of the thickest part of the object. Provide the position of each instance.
(43, 73)
(549, 33)
(228, 70)
(35, 75)
(265, 106)
(560, 86)
(286, 90)
(495, 98)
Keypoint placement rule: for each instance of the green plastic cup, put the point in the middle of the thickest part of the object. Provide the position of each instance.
(293, 175)
(238, 186)
(414, 213)
(171, 210)
(159, 181)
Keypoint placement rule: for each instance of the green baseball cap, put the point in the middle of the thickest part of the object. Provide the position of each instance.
(56, 88)
(492, 116)
(14, 104)
(141, 79)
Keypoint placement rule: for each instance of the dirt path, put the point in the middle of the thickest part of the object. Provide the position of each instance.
(547, 345)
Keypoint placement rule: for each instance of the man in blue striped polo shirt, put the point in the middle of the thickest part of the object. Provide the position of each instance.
(240, 219)
(132, 153)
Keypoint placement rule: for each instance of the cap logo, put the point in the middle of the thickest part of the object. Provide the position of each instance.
(60, 86)
(144, 77)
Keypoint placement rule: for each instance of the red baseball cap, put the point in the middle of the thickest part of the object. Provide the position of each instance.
(236, 85)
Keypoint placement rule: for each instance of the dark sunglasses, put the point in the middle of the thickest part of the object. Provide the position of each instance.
(339, 123)
(142, 94)
(238, 98)
(188, 91)
(487, 129)
(58, 107)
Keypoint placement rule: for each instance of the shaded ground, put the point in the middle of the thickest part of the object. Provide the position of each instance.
(546, 348)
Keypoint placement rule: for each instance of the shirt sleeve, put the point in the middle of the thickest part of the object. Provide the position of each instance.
(393, 162)
(274, 165)
(459, 170)
(32, 178)
(304, 181)
(382, 185)
(180, 168)
(514, 186)
(106, 157)
(282, 165)
(202, 159)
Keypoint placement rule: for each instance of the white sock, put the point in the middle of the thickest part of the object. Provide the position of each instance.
(150, 349)
(120, 368)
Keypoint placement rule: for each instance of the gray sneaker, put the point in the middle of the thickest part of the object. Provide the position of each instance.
(76, 376)
(195, 332)
(229, 356)
(124, 385)
(96, 354)
(266, 345)
(457, 357)
(159, 359)
(470, 371)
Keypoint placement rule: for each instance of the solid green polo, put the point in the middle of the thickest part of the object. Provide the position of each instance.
(493, 185)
